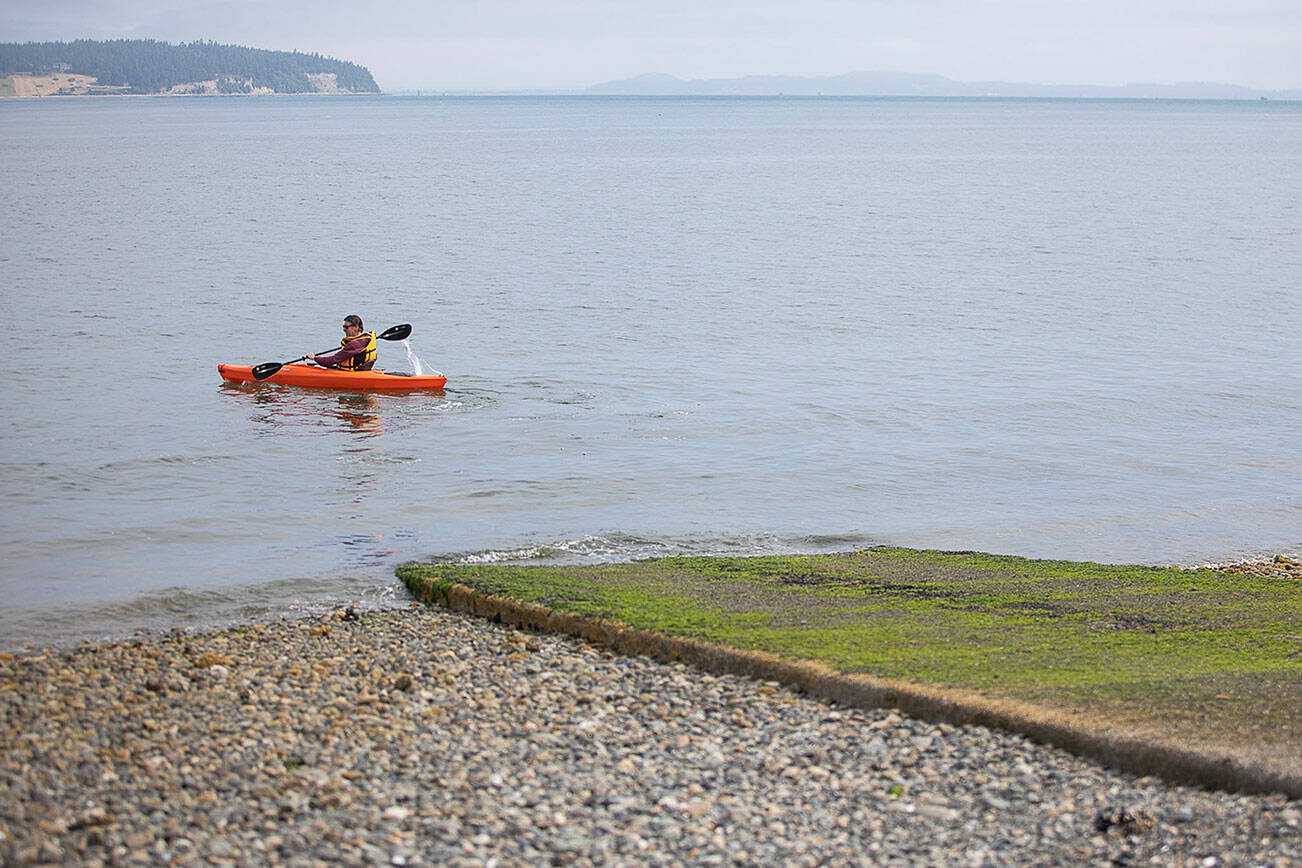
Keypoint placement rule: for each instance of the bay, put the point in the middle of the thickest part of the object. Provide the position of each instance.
(1054, 328)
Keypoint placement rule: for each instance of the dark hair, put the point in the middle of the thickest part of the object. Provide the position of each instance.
(353, 319)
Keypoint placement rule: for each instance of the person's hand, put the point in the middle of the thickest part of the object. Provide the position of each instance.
(311, 357)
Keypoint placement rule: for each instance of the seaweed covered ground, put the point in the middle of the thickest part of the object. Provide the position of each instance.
(1204, 659)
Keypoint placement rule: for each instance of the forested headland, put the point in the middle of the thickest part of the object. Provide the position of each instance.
(145, 66)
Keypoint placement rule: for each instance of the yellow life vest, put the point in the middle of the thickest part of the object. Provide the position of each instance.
(362, 359)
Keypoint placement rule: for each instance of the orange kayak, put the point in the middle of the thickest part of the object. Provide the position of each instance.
(312, 377)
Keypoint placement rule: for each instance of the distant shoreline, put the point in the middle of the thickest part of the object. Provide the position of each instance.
(23, 86)
(117, 96)
(901, 97)
(146, 66)
(584, 94)
(913, 84)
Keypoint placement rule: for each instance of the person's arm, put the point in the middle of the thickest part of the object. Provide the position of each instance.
(349, 350)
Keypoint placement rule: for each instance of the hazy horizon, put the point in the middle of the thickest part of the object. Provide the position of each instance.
(574, 44)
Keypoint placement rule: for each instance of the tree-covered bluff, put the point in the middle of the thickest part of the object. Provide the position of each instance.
(147, 66)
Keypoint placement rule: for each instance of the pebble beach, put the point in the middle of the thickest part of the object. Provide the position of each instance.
(423, 737)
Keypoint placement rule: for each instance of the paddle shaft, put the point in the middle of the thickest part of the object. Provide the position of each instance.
(301, 358)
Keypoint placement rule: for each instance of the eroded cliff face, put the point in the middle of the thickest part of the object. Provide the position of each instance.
(326, 82)
(56, 84)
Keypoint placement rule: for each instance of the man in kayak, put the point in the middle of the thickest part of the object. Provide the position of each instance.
(357, 351)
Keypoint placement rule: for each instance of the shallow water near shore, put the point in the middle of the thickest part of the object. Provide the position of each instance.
(1048, 328)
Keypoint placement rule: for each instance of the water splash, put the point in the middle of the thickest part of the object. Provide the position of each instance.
(417, 367)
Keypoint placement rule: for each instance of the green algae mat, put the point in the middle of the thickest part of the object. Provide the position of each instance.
(1207, 659)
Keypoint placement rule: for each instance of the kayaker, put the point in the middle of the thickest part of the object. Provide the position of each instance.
(356, 351)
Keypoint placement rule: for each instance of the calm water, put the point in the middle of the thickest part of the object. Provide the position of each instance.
(1064, 329)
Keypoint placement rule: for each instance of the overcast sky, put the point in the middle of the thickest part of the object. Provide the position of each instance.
(540, 44)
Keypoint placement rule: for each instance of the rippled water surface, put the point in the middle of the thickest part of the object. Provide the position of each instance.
(1050, 328)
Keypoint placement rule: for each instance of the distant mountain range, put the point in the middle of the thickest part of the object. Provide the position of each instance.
(910, 84)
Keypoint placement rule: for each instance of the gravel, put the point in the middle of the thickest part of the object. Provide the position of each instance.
(425, 737)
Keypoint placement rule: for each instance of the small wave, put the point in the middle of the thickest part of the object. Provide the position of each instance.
(595, 548)
(847, 540)
(616, 547)
(362, 457)
(131, 465)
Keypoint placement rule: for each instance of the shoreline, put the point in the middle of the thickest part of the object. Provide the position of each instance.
(1277, 565)
(1261, 565)
(419, 736)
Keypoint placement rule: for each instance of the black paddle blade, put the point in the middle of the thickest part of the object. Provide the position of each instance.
(266, 369)
(396, 333)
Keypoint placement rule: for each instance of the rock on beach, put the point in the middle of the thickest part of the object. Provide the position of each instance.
(1276, 567)
(424, 737)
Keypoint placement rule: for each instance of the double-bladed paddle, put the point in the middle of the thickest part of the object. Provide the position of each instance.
(266, 369)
